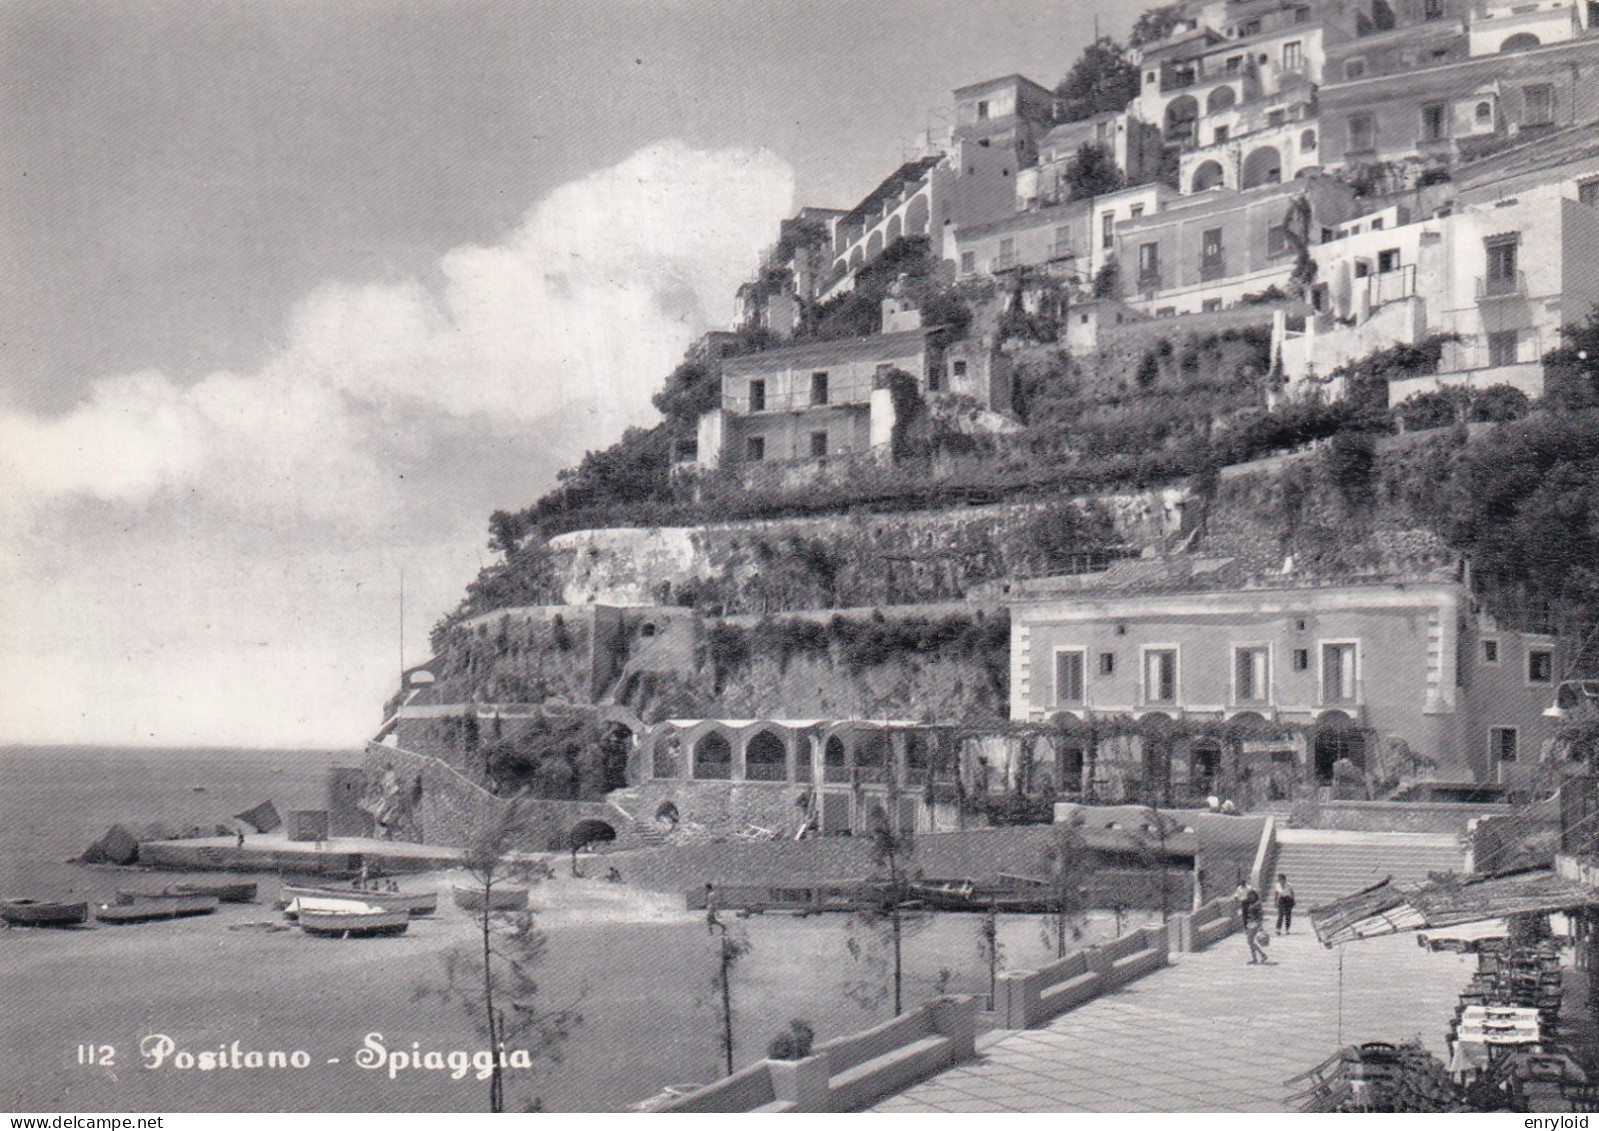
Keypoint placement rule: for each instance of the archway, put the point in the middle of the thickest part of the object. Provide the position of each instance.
(871, 756)
(835, 761)
(1204, 767)
(1220, 99)
(1157, 733)
(893, 230)
(713, 757)
(874, 245)
(1521, 41)
(1181, 114)
(916, 216)
(856, 257)
(1209, 175)
(765, 758)
(1337, 739)
(1307, 141)
(1263, 167)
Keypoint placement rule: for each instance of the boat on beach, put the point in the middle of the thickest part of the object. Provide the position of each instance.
(154, 908)
(24, 912)
(347, 918)
(222, 892)
(417, 903)
(503, 897)
(1007, 893)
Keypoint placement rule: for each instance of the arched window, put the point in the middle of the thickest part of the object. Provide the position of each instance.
(1209, 175)
(1307, 141)
(1263, 167)
(765, 758)
(871, 756)
(1220, 99)
(713, 757)
(835, 761)
(1181, 114)
(1521, 41)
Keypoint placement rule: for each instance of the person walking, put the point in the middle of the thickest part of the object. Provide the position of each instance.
(1253, 915)
(712, 905)
(1284, 891)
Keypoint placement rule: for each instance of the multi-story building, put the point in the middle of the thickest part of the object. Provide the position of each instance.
(1309, 674)
(1134, 145)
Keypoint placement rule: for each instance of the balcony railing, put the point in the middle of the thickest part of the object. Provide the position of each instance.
(1512, 285)
(1390, 286)
(1212, 267)
(765, 771)
(1062, 251)
(1149, 279)
(1002, 262)
(836, 775)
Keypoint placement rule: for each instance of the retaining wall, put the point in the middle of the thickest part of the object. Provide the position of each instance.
(1025, 998)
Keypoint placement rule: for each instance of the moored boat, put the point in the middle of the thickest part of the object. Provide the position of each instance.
(418, 903)
(153, 908)
(350, 919)
(23, 912)
(503, 897)
(226, 892)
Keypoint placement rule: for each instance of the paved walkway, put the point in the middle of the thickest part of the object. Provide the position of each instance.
(1210, 1032)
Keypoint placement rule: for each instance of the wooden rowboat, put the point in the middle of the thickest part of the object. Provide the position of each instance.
(43, 913)
(349, 919)
(150, 909)
(418, 903)
(242, 892)
(504, 897)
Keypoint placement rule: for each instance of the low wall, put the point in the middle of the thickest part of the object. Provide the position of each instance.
(1396, 816)
(1025, 998)
(1197, 930)
(848, 1073)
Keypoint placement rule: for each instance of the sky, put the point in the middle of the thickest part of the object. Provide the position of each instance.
(293, 294)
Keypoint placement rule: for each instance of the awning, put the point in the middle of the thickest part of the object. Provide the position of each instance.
(1388, 908)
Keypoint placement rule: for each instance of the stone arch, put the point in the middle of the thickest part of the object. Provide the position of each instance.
(1181, 114)
(916, 215)
(856, 257)
(765, 758)
(1521, 41)
(713, 757)
(1263, 166)
(872, 754)
(874, 245)
(1307, 141)
(1222, 98)
(1209, 175)
(893, 230)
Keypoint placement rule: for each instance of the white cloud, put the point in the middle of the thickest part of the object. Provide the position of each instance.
(395, 416)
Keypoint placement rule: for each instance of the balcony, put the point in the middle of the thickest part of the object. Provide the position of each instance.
(1062, 251)
(1212, 267)
(1149, 279)
(1512, 285)
(1391, 286)
(1004, 262)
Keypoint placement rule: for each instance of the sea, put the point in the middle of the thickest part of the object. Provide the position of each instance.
(57, 800)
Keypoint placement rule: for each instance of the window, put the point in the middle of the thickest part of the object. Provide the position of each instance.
(1501, 348)
(968, 262)
(1068, 676)
(1377, 224)
(818, 445)
(1293, 55)
(1252, 674)
(1235, 64)
(1007, 252)
(1387, 261)
(1148, 257)
(1432, 9)
(1434, 121)
(755, 449)
(1220, 135)
(1301, 659)
(1301, 15)
(1210, 306)
(1539, 105)
(1107, 230)
(957, 368)
(1588, 192)
(1338, 673)
(1276, 117)
(982, 111)
(1484, 113)
(1362, 132)
(1354, 69)
(1277, 240)
(1160, 675)
(1540, 666)
(1210, 243)
(1307, 141)
(1135, 212)
(1502, 743)
(1490, 651)
(1107, 663)
(757, 396)
(819, 387)
(1502, 260)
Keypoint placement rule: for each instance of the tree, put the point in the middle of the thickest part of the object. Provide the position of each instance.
(1069, 865)
(1154, 25)
(492, 979)
(730, 949)
(1101, 80)
(1108, 280)
(1093, 172)
(882, 915)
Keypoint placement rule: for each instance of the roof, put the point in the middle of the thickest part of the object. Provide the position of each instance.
(908, 173)
(1388, 908)
(1000, 83)
(901, 343)
(1551, 151)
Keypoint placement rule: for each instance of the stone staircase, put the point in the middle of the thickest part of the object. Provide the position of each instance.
(642, 832)
(1324, 864)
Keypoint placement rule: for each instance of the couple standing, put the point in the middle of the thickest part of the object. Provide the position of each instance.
(1252, 910)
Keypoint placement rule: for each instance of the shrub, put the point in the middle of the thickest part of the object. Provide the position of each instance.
(794, 1044)
(1500, 403)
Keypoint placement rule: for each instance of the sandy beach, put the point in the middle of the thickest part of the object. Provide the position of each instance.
(634, 963)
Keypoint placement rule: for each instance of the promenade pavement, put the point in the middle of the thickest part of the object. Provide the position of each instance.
(1210, 1032)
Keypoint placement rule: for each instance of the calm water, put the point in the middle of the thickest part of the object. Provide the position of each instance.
(56, 800)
